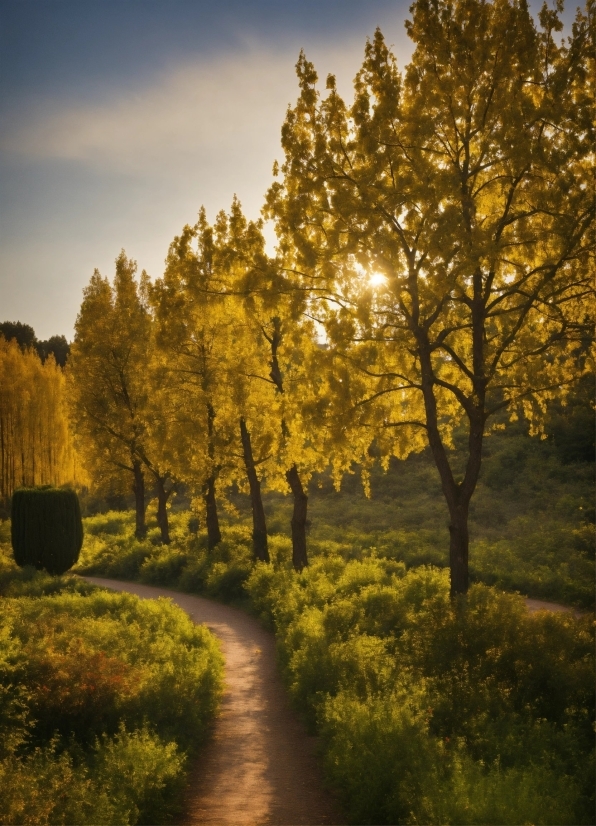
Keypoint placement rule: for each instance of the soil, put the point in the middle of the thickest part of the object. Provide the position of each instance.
(260, 767)
(540, 605)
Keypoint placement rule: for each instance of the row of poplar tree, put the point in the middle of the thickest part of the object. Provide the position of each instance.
(36, 445)
(433, 272)
(212, 375)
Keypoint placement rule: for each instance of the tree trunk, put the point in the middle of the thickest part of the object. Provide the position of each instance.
(162, 511)
(213, 531)
(299, 558)
(139, 492)
(458, 550)
(259, 525)
(459, 504)
(457, 495)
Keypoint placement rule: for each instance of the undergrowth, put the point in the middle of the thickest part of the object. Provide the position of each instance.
(102, 698)
(429, 712)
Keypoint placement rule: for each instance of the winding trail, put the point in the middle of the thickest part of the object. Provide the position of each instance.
(534, 605)
(259, 768)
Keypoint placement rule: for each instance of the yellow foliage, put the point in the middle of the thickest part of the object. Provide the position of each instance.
(36, 446)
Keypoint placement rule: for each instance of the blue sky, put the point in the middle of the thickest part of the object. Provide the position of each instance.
(120, 118)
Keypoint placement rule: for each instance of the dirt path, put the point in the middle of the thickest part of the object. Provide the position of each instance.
(260, 765)
(540, 605)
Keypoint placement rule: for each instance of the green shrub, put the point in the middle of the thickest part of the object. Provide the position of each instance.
(80, 676)
(47, 530)
(380, 752)
(164, 567)
(144, 775)
(132, 778)
(121, 556)
(15, 581)
(111, 523)
(433, 712)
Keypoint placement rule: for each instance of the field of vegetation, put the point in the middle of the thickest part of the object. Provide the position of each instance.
(103, 697)
(531, 526)
(476, 712)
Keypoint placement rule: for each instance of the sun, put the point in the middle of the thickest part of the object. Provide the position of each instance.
(377, 279)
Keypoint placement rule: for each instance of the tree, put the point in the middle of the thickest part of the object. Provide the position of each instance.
(463, 191)
(291, 345)
(276, 368)
(193, 334)
(58, 346)
(255, 289)
(23, 333)
(36, 446)
(240, 267)
(109, 378)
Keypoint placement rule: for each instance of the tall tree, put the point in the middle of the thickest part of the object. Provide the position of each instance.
(463, 190)
(299, 454)
(277, 363)
(108, 371)
(239, 258)
(193, 334)
(36, 446)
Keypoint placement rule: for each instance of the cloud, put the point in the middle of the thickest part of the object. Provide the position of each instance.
(130, 169)
(229, 109)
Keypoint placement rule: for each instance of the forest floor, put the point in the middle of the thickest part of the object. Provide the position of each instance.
(260, 766)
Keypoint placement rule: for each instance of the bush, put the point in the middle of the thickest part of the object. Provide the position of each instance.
(80, 676)
(380, 753)
(133, 778)
(476, 712)
(47, 531)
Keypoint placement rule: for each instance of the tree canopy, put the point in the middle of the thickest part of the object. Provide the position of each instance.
(462, 189)
(109, 377)
(432, 279)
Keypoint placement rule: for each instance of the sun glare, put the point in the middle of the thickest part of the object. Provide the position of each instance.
(377, 279)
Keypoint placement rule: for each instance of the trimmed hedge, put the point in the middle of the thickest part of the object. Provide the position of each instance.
(46, 528)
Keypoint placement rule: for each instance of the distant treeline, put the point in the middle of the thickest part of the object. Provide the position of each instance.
(25, 337)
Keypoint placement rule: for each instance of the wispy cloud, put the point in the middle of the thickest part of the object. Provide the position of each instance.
(229, 109)
(130, 169)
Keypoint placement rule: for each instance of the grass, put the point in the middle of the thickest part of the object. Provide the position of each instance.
(531, 527)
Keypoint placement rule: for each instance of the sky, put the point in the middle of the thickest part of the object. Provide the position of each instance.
(120, 118)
